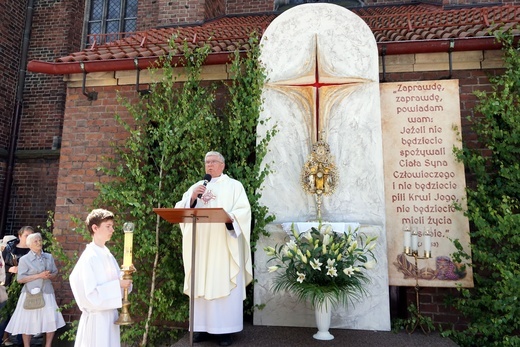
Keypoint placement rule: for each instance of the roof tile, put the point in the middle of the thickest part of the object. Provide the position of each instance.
(400, 23)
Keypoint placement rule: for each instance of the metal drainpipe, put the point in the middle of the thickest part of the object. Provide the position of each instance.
(17, 117)
(383, 63)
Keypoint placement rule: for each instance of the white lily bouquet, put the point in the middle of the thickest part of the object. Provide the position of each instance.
(322, 264)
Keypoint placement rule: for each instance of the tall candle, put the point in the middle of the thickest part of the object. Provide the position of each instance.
(415, 241)
(428, 243)
(407, 238)
(128, 229)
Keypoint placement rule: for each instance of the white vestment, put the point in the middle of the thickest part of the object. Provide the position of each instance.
(97, 290)
(223, 266)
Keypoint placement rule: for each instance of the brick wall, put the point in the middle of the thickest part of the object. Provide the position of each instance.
(147, 15)
(86, 140)
(383, 2)
(12, 15)
(445, 3)
(252, 6)
(89, 129)
(459, 3)
(12, 19)
(180, 12)
(56, 31)
(433, 304)
(3, 165)
(152, 14)
(33, 192)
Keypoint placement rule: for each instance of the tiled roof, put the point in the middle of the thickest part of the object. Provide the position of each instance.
(428, 22)
(413, 27)
(223, 35)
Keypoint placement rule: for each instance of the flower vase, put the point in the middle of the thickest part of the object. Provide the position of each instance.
(323, 313)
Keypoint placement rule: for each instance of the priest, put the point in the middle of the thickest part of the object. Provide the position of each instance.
(223, 266)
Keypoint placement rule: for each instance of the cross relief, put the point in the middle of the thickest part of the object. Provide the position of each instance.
(313, 82)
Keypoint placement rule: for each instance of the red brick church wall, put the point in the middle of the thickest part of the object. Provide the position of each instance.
(252, 6)
(56, 31)
(160, 13)
(445, 3)
(89, 129)
(11, 31)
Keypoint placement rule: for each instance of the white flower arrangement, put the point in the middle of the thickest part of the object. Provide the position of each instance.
(322, 264)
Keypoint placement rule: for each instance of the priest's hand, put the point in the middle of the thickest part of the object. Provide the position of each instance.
(198, 192)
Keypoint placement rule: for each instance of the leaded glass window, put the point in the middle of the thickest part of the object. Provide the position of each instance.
(109, 20)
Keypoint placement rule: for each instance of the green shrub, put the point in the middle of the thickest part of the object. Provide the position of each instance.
(492, 307)
(170, 130)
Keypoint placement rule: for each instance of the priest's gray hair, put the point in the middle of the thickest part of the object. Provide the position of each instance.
(32, 237)
(217, 154)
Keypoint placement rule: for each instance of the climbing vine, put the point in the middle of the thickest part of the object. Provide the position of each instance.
(170, 129)
(492, 307)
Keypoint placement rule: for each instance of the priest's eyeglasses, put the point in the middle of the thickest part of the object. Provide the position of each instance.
(211, 162)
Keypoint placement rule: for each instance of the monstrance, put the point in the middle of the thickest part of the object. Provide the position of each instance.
(319, 176)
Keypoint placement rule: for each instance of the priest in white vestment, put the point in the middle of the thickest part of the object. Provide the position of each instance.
(223, 266)
(97, 286)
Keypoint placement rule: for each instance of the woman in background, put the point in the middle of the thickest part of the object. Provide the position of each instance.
(35, 271)
(3, 289)
(14, 249)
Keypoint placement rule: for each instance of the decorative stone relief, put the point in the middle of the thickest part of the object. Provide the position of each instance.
(322, 69)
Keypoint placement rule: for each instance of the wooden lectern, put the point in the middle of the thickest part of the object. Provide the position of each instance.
(194, 216)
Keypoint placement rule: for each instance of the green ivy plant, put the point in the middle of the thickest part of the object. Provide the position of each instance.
(243, 149)
(492, 307)
(170, 129)
(414, 320)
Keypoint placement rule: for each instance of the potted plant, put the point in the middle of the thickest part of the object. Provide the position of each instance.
(324, 267)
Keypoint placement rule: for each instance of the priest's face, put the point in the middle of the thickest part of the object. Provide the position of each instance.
(214, 166)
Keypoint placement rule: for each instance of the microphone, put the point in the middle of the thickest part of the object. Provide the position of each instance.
(207, 178)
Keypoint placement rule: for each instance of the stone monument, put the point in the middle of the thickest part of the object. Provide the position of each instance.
(323, 85)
